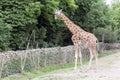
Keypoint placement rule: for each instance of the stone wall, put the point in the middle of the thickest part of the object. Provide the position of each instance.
(55, 55)
(37, 58)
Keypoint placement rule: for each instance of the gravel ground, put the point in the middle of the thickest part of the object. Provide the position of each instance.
(108, 69)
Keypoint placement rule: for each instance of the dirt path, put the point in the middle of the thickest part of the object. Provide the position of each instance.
(109, 69)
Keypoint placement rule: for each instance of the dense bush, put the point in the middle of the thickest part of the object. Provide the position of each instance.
(14, 65)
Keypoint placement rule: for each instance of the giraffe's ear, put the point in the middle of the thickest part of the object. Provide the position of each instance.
(57, 9)
(60, 10)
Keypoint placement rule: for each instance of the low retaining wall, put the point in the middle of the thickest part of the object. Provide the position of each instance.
(36, 58)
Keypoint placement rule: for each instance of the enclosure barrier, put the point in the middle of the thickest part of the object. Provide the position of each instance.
(29, 60)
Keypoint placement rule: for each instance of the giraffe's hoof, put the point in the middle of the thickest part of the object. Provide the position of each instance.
(88, 69)
(75, 68)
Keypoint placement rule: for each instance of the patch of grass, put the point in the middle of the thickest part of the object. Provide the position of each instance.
(107, 53)
(48, 69)
(56, 67)
(42, 71)
(24, 76)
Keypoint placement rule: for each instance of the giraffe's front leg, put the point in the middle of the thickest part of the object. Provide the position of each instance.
(80, 56)
(76, 56)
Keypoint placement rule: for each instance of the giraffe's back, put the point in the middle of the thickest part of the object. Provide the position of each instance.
(84, 39)
(89, 39)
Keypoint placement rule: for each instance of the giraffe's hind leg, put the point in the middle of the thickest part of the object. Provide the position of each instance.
(91, 58)
(96, 58)
(93, 53)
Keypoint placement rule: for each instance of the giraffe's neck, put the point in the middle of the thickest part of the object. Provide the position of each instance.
(71, 26)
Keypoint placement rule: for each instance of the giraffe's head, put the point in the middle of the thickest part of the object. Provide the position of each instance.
(57, 13)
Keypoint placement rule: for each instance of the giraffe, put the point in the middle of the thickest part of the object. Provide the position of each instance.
(80, 38)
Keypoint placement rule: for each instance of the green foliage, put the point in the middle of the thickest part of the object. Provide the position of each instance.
(14, 66)
(116, 18)
(71, 3)
(48, 9)
(5, 36)
(31, 24)
(33, 9)
(97, 16)
(106, 34)
(19, 15)
(42, 34)
(117, 32)
(28, 66)
(16, 13)
(42, 59)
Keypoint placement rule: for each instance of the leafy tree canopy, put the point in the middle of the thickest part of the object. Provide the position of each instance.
(26, 24)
